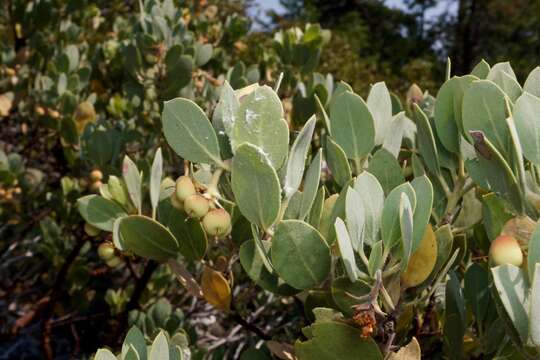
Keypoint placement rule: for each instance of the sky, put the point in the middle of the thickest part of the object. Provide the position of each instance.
(442, 6)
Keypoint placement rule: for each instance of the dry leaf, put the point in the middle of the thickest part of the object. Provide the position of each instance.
(520, 227)
(216, 289)
(186, 279)
(409, 352)
(422, 260)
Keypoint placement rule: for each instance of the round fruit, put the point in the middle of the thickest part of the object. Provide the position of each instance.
(95, 186)
(196, 206)
(113, 262)
(505, 250)
(217, 222)
(184, 188)
(106, 251)
(53, 113)
(177, 204)
(96, 175)
(39, 110)
(91, 230)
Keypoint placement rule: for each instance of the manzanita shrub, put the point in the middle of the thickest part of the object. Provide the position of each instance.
(385, 221)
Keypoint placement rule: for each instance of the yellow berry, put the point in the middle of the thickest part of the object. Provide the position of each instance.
(177, 204)
(217, 222)
(184, 188)
(196, 206)
(106, 251)
(506, 250)
(95, 186)
(96, 175)
(113, 262)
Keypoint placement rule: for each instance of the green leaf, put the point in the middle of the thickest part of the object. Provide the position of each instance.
(192, 240)
(484, 109)
(105, 354)
(343, 291)
(380, 106)
(134, 339)
(255, 186)
(504, 67)
(259, 121)
(99, 211)
(336, 340)
(534, 317)
(525, 114)
(133, 180)
(311, 184)
(533, 256)
(422, 213)
(352, 125)
(254, 267)
(512, 290)
(227, 108)
(375, 258)
(406, 228)
(476, 291)
(454, 325)
(346, 249)
(315, 213)
(73, 56)
(532, 84)
(507, 83)
(390, 223)
(426, 141)
(155, 178)
(495, 215)
(147, 238)
(337, 161)
(448, 109)
(481, 70)
(356, 216)
(385, 167)
(160, 348)
(372, 196)
(393, 139)
(492, 172)
(296, 162)
(189, 132)
(203, 53)
(299, 254)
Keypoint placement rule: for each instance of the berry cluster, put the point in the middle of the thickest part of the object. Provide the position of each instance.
(8, 193)
(216, 221)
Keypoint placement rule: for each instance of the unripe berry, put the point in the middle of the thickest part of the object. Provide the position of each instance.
(177, 204)
(106, 251)
(96, 175)
(217, 222)
(91, 230)
(196, 206)
(506, 250)
(113, 262)
(184, 188)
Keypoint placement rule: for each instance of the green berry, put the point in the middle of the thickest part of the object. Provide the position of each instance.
(184, 188)
(91, 230)
(196, 206)
(113, 262)
(106, 251)
(217, 222)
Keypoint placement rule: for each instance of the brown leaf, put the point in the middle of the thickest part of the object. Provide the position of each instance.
(5, 105)
(520, 227)
(186, 279)
(216, 289)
